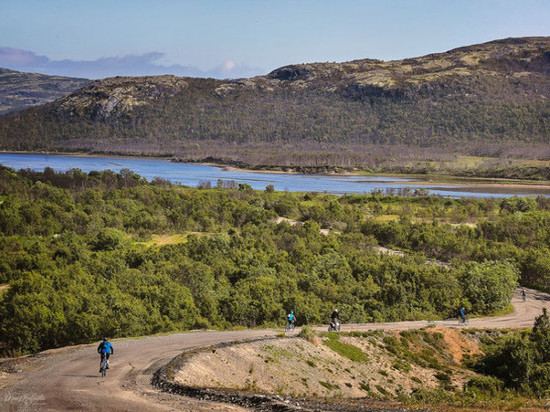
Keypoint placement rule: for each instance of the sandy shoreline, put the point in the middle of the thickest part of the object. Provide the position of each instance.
(498, 182)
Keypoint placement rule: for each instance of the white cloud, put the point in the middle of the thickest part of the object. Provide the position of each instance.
(129, 65)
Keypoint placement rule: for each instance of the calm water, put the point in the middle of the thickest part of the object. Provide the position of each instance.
(194, 174)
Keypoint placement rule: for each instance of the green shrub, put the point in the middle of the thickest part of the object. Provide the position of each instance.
(487, 384)
(308, 333)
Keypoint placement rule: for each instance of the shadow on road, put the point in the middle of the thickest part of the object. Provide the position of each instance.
(81, 376)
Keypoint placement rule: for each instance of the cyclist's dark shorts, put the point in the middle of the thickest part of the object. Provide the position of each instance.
(103, 355)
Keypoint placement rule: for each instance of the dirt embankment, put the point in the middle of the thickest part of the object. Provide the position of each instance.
(378, 365)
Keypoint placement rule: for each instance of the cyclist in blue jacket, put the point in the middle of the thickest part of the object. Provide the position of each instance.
(462, 314)
(105, 349)
(291, 318)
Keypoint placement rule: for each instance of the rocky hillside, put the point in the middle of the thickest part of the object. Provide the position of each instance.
(495, 92)
(21, 90)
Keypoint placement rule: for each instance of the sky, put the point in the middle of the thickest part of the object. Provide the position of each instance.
(243, 38)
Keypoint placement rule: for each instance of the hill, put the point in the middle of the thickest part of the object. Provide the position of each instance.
(477, 97)
(21, 90)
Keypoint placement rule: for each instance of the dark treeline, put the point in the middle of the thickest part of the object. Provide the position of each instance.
(78, 252)
(279, 117)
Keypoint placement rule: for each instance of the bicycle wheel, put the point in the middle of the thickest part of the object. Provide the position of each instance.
(104, 368)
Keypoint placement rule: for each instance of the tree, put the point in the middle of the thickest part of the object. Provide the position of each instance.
(488, 286)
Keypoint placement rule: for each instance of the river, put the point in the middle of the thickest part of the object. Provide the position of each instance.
(190, 174)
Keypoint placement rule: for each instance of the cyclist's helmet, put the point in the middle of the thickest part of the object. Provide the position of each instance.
(292, 312)
(105, 339)
(336, 310)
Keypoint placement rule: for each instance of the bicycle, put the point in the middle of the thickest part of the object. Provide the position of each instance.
(289, 327)
(464, 321)
(103, 368)
(334, 327)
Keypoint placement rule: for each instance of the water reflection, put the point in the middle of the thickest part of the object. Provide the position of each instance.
(195, 174)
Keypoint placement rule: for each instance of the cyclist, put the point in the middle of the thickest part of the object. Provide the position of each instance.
(291, 319)
(523, 295)
(105, 349)
(462, 314)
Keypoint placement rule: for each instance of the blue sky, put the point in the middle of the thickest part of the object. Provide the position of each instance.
(230, 38)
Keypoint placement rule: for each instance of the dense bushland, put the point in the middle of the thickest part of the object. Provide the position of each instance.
(80, 257)
(518, 361)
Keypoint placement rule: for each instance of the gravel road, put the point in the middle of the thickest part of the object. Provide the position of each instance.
(68, 378)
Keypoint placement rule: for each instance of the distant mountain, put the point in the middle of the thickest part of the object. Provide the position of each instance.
(21, 90)
(490, 93)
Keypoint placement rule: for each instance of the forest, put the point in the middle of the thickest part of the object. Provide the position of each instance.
(85, 255)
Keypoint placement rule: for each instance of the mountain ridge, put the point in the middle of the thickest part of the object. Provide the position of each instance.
(19, 90)
(491, 93)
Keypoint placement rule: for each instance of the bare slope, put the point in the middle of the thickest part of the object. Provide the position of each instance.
(299, 368)
(495, 92)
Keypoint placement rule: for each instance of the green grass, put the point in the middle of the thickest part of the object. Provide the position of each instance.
(161, 240)
(382, 390)
(311, 363)
(328, 385)
(506, 311)
(346, 350)
(386, 218)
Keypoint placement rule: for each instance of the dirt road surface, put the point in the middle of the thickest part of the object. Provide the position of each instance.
(68, 379)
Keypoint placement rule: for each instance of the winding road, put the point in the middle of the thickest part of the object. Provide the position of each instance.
(68, 378)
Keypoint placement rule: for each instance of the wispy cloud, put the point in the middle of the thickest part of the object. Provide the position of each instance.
(129, 65)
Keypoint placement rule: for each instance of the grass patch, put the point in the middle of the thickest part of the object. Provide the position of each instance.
(506, 311)
(346, 350)
(402, 365)
(471, 397)
(386, 218)
(382, 390)
(332, 335)
(161, 240)
(329, 386)
(443, 376)
(311, 363)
